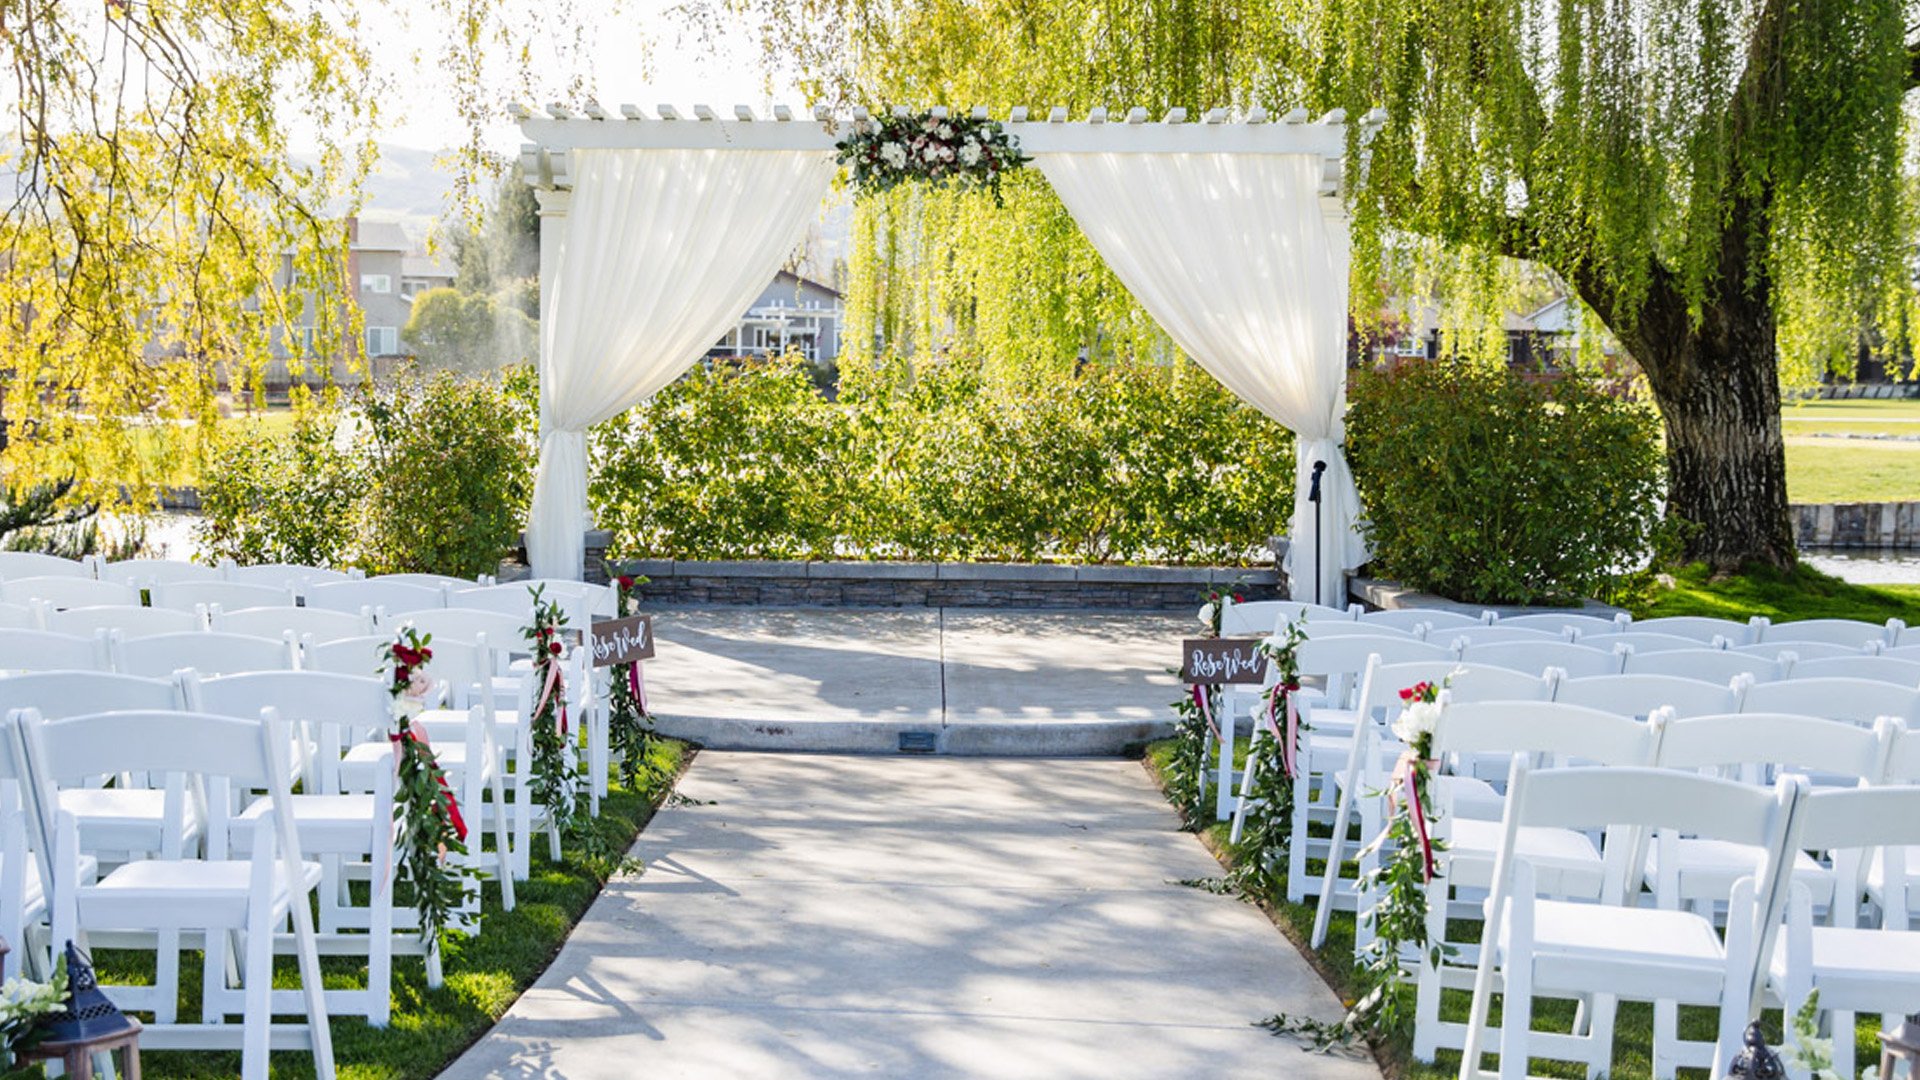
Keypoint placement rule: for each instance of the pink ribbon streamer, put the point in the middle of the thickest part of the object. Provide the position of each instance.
(1419, 818)
(1288, 741)
(547, 692)
(637, 683)
(1200, 702)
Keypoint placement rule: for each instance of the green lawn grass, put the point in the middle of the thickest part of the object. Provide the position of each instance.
(1852, 470)
(484, 974)
(1804, 593)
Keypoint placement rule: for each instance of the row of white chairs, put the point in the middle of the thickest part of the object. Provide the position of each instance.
(146, 573)
(1261, 617)
(37, 602)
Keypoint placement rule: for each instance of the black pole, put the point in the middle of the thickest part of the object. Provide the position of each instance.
(1319, 534)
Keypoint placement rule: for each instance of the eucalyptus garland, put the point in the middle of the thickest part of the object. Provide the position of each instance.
(630, 733)
(1384, 1005)
(428, 824)
(1267, 830)
(958, 151)
(554, 784)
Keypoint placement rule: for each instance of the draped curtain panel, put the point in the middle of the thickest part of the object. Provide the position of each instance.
(1235, 257)
(659, 253)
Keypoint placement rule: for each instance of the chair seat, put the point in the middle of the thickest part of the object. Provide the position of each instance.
(1708, 868)
(328, 824)
(1877, 875)
(124, 819)
(1565, 860)
(1860, 970)
(169, 894)
(34, 903)
(1643, 954)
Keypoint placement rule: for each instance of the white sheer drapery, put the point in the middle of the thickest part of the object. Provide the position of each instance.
(1236, 258)
(658, 254)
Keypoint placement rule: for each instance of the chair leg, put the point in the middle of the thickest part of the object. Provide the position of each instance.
(312, 988)
(503, 851)
(166, 977)
(1600, 1029)
(1246, 785)
(1223, 790)
(1843, 1042)
(380, 960)
(256, 1018)
(1666, 1039)
(215, 963)
(1516, 1020)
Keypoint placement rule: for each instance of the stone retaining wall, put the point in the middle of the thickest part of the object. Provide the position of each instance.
(904, 584)
(1857, 525)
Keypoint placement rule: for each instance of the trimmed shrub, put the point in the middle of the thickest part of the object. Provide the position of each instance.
(1489, 487)
(288, 496)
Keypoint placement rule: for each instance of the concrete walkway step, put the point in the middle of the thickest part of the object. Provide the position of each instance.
(958, 681)
(824, 916)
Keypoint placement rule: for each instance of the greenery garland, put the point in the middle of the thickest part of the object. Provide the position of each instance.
(1384, 1005)
(959, 151)
(426, 815)
(1266, 835)
(554, 783)
(630, 732)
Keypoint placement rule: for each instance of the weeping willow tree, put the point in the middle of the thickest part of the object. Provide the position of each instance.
(1719, 181)
(161, 235)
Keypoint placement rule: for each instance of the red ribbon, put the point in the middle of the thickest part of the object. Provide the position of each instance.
(1419, 818)
(547, 692)
(637, 685)
(453, 805)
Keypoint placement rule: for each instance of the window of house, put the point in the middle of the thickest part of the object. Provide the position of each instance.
(1410, 345)
(382, 340)
(380, 283)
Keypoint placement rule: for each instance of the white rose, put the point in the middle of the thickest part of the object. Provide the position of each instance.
(946, 131)
(1416, 720)
(1206, 614)
(894, 154)
(969, 152)
(932, 152)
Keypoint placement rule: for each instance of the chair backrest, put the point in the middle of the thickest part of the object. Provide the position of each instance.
(19, 617)
(1381, 684)
(1500, 635)
(301, 622)
(1859, 701)
(206, 652)
(1849, 823)
(54, 694)
(1253, 618)
(504, 633)
(1343, 660)
(515, 598)
(600, 599)
(128, 622)
(146, 573)
(1853, 633)
(1558, 623)
(364, 655)
(1641, 695)
(431, 581)
(1578, 661)
(32, 564)
(1779, 741)
(67, 592)
(1784, 651)
(1718, 666)
(190, 595)
(1701, 628)
(1903, 761)
(1640, 642)
(352, 596)
(1876, 668)
(336, 710)
(1331, 628)
(282, 575)
(44, 650)
(1438, 619)
(1565, 732)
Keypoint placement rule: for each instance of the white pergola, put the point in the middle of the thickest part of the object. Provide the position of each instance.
(658, 229)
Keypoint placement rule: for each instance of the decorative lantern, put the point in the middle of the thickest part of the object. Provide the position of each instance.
(1757, 1061)
(1900, 1051)
(91, 1025)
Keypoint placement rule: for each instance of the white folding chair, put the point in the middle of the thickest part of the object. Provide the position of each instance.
(1565, 861)
(1640, 695)
(1875, 668)
(1343, 763)
(205, 651)
(302, 622)
(216, 895)
(44, 650)
(193, 595)
(1787, 652)
(1577, 661)
(379, 596)
(1852, 633)
(33, 564)
(27, 855)
(1537, 947)
(351, 835)
(128, 622)
(1859, 701)
(20, 617)
(1719, 666)
(1701, 628)
(284, 575)
(504, 632)
(434, 581)
(1438, 620)
(1331, 628)
(1559, 624)
(146, 573)
(1639, 641)
(600, 600)
(1854, 969)
(365, 655)
(1496, 634)
(67, 592)
(1258, 618)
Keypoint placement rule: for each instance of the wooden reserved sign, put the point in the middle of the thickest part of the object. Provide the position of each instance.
(1215, 661)
(620, 641)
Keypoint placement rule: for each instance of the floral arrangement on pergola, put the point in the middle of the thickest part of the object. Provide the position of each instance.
(971, 153)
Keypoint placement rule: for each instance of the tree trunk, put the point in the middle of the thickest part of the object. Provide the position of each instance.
(1718, 387)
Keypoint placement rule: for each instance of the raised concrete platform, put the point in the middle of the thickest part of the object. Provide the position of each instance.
(970, 681)
(819, 916)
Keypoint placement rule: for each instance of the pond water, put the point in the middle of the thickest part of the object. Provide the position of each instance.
(1867, 567)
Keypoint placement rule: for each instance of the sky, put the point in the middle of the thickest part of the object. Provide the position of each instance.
(638, 51)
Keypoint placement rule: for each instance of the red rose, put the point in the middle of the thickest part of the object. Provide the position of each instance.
(1238, 599)
(626, 582)
(1407, 694)
(554, 648)
(401, 674)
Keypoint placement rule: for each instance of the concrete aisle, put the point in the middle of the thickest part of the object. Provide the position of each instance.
(914, 917)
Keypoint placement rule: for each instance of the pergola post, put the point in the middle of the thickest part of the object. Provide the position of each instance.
(553, 207)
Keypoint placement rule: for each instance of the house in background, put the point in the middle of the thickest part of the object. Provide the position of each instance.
(1537, 340)
(793, 313)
